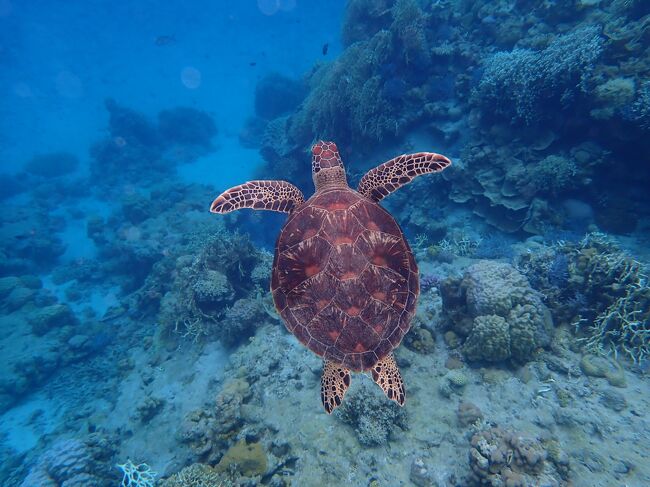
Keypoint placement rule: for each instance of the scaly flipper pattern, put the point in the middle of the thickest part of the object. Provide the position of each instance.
(259, 195)
(333, 385)
(393, 174)
(386, 374)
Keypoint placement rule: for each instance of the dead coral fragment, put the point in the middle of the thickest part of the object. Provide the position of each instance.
(498, 457)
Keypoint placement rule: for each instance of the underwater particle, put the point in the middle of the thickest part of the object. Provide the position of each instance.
(165, 40)
(68, 85)
(268, 7)
(5, 8)
(191, 77)
(22, 90)
(287, 5)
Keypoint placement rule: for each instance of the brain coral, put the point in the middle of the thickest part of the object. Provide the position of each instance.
(501, 315)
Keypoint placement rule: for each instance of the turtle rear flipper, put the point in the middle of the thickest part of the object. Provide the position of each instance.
(333, 385)
(391, 175)
(259, 195)
(386, 374)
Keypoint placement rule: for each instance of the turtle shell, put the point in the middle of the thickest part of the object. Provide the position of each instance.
(344, 279)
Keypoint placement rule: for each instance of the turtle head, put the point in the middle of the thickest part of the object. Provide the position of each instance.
(326, 166)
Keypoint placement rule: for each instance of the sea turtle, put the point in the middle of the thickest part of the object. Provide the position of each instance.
(344, 279)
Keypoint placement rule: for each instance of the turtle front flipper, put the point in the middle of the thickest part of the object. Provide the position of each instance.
(386, 374)
(259, 195)
(333, 385)
(393, 174)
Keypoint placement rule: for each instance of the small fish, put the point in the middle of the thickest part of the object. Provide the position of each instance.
(252, 63)
(326, 47)
(165, 40)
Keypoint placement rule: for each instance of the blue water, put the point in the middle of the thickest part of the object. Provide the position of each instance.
(141, 345)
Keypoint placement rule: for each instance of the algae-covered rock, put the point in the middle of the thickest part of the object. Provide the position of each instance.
(49, 317)
(249, 459)
(599, 366)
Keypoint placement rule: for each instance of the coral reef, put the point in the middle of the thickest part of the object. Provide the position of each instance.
(373, 418)
(500, 315)
(520, 85)
(599, 289)
(214, 294)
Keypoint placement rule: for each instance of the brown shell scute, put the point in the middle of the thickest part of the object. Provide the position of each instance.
(344, 279)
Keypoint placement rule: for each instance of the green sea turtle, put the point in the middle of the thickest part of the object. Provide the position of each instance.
(344, 279)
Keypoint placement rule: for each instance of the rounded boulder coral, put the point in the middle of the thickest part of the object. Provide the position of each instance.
(500, 315)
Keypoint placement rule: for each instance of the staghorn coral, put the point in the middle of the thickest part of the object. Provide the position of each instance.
(599, 289)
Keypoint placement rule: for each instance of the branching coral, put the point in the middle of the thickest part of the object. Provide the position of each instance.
(531, 86)
(598, 288)
(139, 475)
(619, 286)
